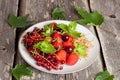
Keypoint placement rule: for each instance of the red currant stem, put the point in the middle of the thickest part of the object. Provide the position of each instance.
(60, 47)
(48, 61)
(35, 52)
(45, 59)
(54, 40)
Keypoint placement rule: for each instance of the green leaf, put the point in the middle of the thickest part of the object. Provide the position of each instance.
(45, 47)
(18, 22)
(58, 13)
(72, 26)
(105, 75)
(75, 34)
(80, 49)
(82, 12)
(110, 77)
(82, 21)
(48, 30)
(21, 70)
(94, 18)
(70, 29)
(63, 27)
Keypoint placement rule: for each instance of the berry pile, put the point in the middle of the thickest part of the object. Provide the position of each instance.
(62, 42)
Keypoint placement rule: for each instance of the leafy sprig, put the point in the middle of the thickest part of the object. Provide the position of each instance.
(18, 22)
(70, 29)
(58, 13)
(45, 47)
(105, 75)
(21, 70)
(48, 30)
(80, 49)
(93, 18)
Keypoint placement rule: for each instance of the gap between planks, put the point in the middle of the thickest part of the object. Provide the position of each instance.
(96, 32)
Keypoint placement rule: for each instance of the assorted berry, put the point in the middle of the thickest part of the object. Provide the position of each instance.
(65, 37)
(56, 35)
(69, 49)
(72, 59)
(63, 44)
(61, 55)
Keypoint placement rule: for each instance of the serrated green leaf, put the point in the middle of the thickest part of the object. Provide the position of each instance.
(82, 21)
(75, 34)
(58, 13)
(110, 77)
(48, 30)
(21, 70)
(80, 49)
(45, 47)
(93, 18)
(70, 29)
(82, 12)
(63, 27)
(105, 75)
(96, 18)
(18, 22)
(72, 26)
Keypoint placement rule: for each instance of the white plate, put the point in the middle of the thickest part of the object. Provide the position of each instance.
(81, 64)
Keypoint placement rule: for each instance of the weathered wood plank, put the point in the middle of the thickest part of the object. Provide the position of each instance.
(41, 11)
(7, 38)
(109, 33)
(90, 72)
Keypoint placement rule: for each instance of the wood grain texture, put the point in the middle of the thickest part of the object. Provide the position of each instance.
(109, 33)
(40, 11)
(90, 72)
(7, 38)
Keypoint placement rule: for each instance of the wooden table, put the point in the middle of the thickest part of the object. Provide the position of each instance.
(40, 10)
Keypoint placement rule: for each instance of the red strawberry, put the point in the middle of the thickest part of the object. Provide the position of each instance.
(57, 43)
(69, 42)
(61, 55)
(56, 35)
(72, 59)
(65, 44)
(70, 39)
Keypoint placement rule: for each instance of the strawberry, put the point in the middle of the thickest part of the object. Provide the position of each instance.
(57, 43)
(56, 35)
(61, 55)
(72, 59)
(65, 44)
(70, 39)
(69, 42)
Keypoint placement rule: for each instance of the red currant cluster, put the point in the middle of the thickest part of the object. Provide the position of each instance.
(32, 37)
(48, 61)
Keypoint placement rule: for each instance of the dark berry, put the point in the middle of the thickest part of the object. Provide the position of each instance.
(65, 37)
(68, 49)
(61, 67)
(62, 62)
(38, 63)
